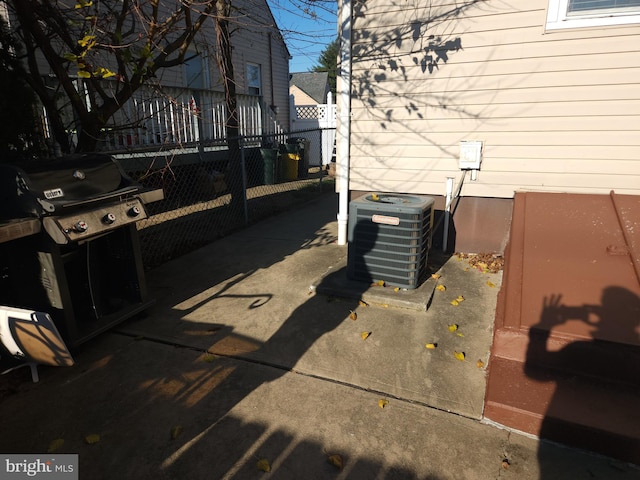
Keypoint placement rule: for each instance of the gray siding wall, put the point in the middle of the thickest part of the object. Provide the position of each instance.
(557, 111)
(252, 28)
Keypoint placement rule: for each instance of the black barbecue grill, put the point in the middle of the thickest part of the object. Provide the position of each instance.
(69, 243)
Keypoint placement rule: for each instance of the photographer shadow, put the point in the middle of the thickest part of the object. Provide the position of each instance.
(594, 403)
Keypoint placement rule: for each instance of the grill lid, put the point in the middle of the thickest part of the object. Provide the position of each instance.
(44, 187)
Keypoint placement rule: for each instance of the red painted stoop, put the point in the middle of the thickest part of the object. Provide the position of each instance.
(565, 362)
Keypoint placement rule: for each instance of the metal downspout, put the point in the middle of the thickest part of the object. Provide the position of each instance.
(344, 105)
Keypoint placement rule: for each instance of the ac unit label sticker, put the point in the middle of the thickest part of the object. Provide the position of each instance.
(385, 220)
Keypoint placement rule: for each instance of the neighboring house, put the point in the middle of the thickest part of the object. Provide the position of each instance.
(190, 107)
(309, 88)
(551, 89)
(312, 109)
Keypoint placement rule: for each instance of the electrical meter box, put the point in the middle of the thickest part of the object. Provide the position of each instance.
(470, 155)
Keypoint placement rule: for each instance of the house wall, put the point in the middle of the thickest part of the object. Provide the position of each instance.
(260, 43)
(255, 39)
(300, 97)
(557, 111)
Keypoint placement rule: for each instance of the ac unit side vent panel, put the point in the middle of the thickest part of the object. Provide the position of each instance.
(389, 239)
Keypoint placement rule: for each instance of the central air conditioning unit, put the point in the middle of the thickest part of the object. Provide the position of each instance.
(389, 239)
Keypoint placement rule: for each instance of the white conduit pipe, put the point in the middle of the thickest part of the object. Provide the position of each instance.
(344, 128)
(449, 198)
(447, 212)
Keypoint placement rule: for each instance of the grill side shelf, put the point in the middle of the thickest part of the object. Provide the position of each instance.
(20, 228)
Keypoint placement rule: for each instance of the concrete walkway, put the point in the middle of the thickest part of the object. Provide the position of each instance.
(251, 353)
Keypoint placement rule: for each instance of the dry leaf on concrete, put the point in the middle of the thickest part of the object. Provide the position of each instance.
(92, 439)
(55, 445)
(336, 461)
(263, 465)
(175, 431)
(459, 355)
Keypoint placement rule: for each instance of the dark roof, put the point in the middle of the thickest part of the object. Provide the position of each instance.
(314, 84)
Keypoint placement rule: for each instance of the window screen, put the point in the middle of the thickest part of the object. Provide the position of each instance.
(582, 6)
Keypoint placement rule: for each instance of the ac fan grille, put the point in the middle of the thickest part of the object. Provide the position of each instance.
(395, 253)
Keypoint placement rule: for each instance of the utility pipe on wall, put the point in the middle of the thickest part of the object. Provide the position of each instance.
(344, 127)
(447, 212)
(450, 196)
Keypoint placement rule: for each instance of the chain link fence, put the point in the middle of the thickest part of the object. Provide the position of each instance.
(212, 190)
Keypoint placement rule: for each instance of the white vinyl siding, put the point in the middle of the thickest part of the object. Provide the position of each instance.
(556, 112)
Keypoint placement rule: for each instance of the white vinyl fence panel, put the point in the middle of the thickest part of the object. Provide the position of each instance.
(306, 118)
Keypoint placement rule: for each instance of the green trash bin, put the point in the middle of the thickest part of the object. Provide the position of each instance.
(270, 159)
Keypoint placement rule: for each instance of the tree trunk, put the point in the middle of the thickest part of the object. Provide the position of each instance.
(223, 43)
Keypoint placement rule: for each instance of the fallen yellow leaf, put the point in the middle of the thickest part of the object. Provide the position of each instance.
(175, 431)
(480, 364)
(491, 284)
(380, 283)
(92, 438)
(365, 335)
(336, 461)
(441, 288)
(431, 346)
(263, 465)
(396, 289)
(55, 445)
(362, 303)
(353, 315)
(455, 303)
(459, 355)
(460, 334)
(375, 197)
(453, 327)
(383, 403)
(460, 298)
(435, 276)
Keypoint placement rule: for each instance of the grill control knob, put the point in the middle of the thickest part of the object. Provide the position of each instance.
(80, 226)
(108, 219)
(134, 211)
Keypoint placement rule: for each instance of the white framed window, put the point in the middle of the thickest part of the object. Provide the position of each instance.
(591, 13)
(254, 79)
